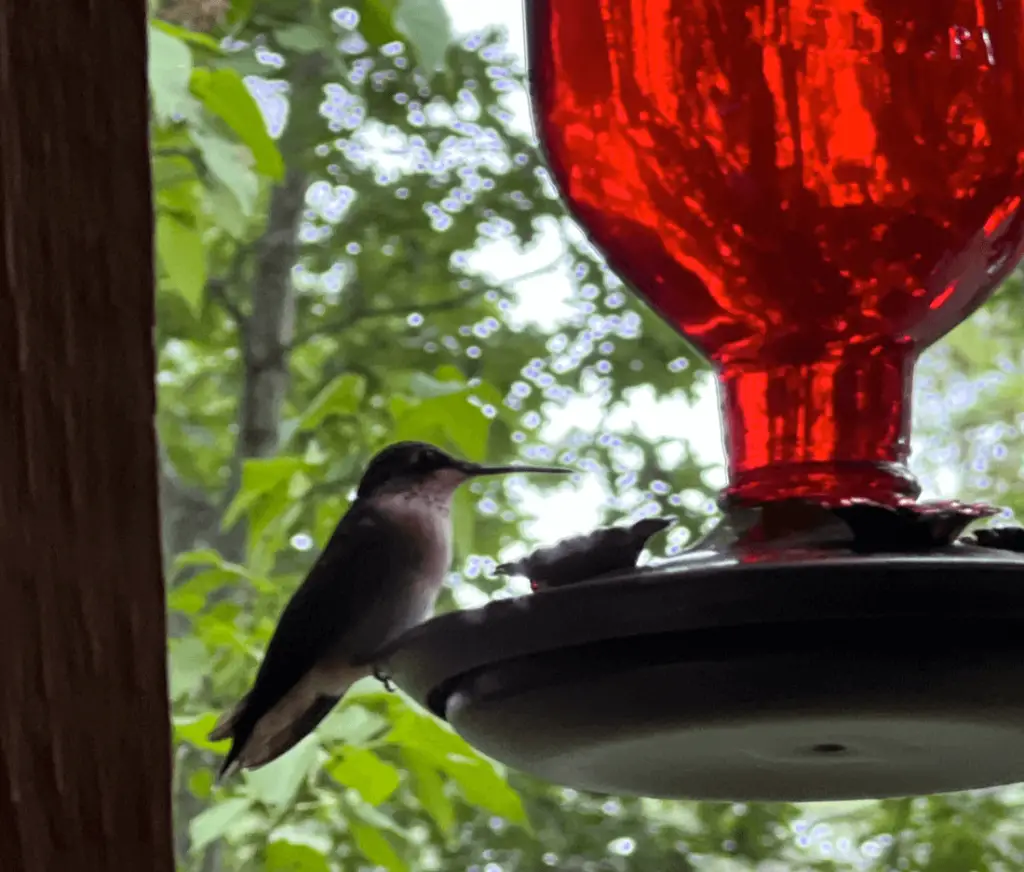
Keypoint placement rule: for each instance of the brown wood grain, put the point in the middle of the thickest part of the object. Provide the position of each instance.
(84, 735)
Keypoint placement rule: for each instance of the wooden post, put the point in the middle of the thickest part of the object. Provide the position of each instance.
(84, 731)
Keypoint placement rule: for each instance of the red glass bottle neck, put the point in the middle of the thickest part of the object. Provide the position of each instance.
(829, 430)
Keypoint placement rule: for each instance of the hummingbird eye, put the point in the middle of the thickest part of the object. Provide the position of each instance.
(430, 459)
(426, 460)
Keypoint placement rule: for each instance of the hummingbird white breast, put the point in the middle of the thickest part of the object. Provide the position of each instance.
(424, 514)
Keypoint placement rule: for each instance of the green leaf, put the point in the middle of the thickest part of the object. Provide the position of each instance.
(375, 848)
(200, 783)
(429, 790)
(186, 602)
(376, 22)
(211, 824)
(478, 780)
(230, 164)
(482, 786)
(278, 783)
(273, 510)
(285, 856)
(427, 29)
(228, 211)
(183, 257)
(328, 511)
(202, 40)
(260, 476)
(190, 596)
(423, 25)
(449, 420)
(224, 94)
(449, 372)
(380, 821)
(365, 772)
(195, 731)
(302, 38)
(352, 724)
(243, 63)
(171, 171)
(170, 71)
(447, 412)
(429, 737)
(199, 557)
(342, 396)
(189, 665)
(465, 425)
(181, 197)
(428, 387)
(240, 12)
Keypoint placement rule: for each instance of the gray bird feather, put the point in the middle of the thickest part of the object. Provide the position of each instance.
(350, 605)
(580, 558)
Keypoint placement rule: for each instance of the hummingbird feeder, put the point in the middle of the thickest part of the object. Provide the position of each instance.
(812, 192)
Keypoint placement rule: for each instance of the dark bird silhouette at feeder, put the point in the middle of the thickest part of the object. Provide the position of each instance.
(1000, 538)
(379, 575)
(581, 558)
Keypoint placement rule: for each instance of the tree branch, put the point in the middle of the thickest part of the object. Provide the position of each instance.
(218, 288)
(271, 325)
(537, 271)
(185, 512)
(340, 324)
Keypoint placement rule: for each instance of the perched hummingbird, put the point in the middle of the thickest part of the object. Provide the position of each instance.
(608, 550)
(379, 575)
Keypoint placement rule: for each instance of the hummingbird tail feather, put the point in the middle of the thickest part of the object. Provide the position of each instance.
(274, 736)
(228, 768)
(227, 722)
(228, 727)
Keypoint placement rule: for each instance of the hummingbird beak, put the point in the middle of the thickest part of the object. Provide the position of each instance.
(477, 470)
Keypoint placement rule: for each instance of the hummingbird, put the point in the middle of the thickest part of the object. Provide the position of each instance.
(1002, 538)
(580, 558)
(378, 576)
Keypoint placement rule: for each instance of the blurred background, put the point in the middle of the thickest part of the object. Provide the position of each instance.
(358, 243)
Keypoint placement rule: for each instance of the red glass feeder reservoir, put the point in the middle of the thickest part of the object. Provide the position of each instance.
(812, 192)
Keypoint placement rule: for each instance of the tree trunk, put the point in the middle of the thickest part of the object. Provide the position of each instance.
(84, 732)
(271, 326)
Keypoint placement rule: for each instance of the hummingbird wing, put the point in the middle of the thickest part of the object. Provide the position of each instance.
(321, 629)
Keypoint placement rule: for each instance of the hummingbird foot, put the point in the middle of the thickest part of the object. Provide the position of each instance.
(384, 678)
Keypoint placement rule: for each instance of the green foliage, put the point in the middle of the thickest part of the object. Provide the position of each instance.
(316, 301)
(223, 94)
(423, 24)
(183, 257)
(282, 856)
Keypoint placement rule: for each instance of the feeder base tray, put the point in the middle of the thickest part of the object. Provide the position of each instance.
(815, 675)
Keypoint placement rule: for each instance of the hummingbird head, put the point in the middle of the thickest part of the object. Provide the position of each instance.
(647, 527)
(412, 466)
